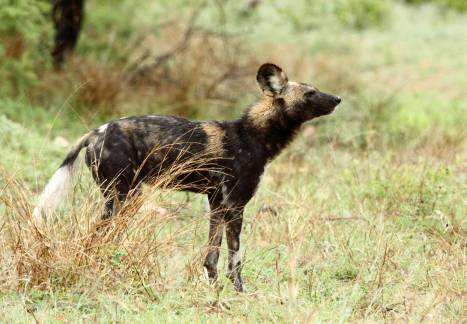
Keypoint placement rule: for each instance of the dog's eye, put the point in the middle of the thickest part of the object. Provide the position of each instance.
(310, 93)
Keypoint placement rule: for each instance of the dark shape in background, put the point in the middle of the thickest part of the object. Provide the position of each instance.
(68, 18)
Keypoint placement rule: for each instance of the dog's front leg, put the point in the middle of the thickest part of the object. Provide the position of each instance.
(234, 228)
(216, 228)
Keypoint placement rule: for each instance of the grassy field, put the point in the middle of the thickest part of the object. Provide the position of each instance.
(361, 219)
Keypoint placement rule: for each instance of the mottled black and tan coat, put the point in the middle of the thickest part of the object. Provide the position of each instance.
(222, 159)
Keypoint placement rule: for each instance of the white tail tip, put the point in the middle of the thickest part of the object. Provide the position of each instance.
(54, 193)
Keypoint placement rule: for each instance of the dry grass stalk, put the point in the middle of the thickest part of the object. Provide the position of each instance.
(87, 251)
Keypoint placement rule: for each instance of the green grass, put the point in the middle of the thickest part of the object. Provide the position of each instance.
(340, 236)
(362, 218)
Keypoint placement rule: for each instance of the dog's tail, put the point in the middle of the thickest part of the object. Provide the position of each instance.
(61, 182)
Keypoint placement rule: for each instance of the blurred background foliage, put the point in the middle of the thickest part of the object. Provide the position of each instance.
(385, 173)
(25, 31)
(389, 60)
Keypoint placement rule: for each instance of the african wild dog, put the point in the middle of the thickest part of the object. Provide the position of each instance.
(122, 153)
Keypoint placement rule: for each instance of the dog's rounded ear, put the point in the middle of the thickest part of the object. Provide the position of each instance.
(271, 79)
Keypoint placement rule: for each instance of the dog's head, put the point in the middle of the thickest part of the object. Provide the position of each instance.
(300, 101)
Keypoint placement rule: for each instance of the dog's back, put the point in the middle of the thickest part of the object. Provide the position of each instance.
(138, 149)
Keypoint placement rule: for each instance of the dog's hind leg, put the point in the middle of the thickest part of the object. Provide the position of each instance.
(115, 197)
(108, 208)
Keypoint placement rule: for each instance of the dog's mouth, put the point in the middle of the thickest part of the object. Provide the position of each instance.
(326, 110)
(326, 104)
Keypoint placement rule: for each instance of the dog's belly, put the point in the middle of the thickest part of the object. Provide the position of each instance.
(199, 175)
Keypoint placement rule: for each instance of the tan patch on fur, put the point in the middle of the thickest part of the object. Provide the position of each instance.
(294, 93)
(127, 126)
(262, 112)
(214, 134)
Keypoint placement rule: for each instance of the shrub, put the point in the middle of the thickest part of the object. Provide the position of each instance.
(362, 14)
(24, 29)
(458, 5)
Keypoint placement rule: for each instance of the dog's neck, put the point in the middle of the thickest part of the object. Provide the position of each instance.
(267, 124)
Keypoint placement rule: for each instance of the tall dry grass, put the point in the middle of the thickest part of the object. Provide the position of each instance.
(79, 249)
(363, 238)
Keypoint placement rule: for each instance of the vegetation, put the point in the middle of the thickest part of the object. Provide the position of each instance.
(362, 218)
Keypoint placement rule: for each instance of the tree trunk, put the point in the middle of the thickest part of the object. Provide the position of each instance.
(68, 17)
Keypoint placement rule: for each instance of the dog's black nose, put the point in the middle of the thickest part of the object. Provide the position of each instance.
(338, 100)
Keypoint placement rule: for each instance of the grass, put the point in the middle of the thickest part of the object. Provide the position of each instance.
(361, 219)
(368, 236)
